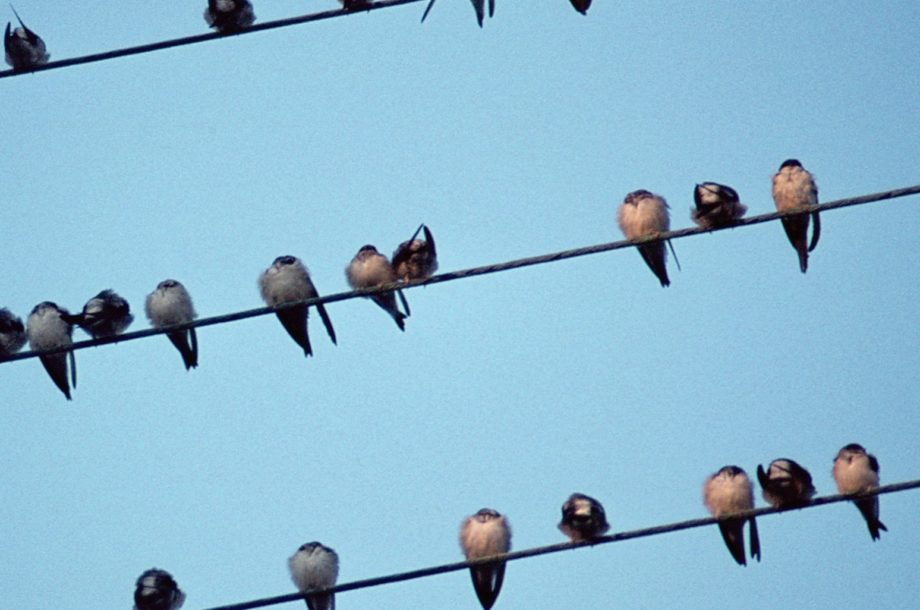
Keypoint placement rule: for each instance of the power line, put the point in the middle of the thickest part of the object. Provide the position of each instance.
(559, 547)
(187, 40)
(472, 272)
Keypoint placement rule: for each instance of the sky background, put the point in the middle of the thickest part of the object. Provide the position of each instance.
(203, 163)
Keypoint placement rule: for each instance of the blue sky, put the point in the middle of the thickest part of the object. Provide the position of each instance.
(204, 163)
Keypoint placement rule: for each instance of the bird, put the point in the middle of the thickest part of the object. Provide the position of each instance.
(856, 471)
(288, 281)
(581, 6)
(48, 329)
(645, 214)
(785, 484)
(12, 333)
(157, 590)
(104, 315)
(24, 48)
(793, 188)
(485, 534)
(171, 304)
(583, 518)
(717, 205)
(726, 492)
(312, 567)
(229, 16)
(478, 6)
(416, 259)
(369, 269)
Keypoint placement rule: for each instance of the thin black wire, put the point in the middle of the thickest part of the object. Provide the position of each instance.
(557, 548)
(471, 272)
(187, 40)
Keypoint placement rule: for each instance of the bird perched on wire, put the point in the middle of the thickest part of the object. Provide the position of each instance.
(645, 214)
(583, 518)
(485, 534)
(104, 315)
(49, 329)
(228, 16)
(288, 281)
(581, 6)
(416, 259)
(171, 304)
(794, 188)
(24, 48)
(312, 567)
(717, 205)
(726, 492)
(12, 333)
(369, 269)
(856, 471)
(157, 590)
(785, 484)
(478, 5)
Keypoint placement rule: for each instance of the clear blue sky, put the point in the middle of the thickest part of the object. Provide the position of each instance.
(204, 163)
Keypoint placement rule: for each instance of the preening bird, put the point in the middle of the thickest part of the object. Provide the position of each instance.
(288, 281)
(785, 484)
(156, 590)
(485, 534)
(583, 518)
(104, 315)
(416, 259)
(171, 304)
(726, 492)
(24, 48)
(856, 471)
(228, 16)
(644, 214)
(312, 567)
(717, 205)
(12, 333)
(369, 269)
(793, 188)
(49, 329)
(478, 5)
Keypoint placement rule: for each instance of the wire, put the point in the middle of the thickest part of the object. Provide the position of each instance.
(187, 40)
(471, 272)
(562, 546)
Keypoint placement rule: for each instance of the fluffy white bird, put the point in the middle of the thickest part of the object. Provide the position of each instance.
(288, 281)
(856, 471)
(726, 492)
(485, 534)
(157, 590)
(717, 205)
(583, 518)
(793, 188)
(369, 269)
(312, 567)
(171, 304)
(785, 484)
(12, 333)
(644, 214)
(228, 16)
(48, 329)
(24, 48)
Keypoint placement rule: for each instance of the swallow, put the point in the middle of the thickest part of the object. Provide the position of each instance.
(793, 188)
(478, 5)
(717, 205)
(785, 484)
(171, 304)
(645, 214)
(369, 269)
(726, 492)
(104, 315)
(288, 281)
(229, 16)
(583, 518)
(24, 48)
(12, 333)
(48, 329)
(856, 471)
(581, 6)
(156, 590)
(416, 259)
(312, 567)
(485, 534)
